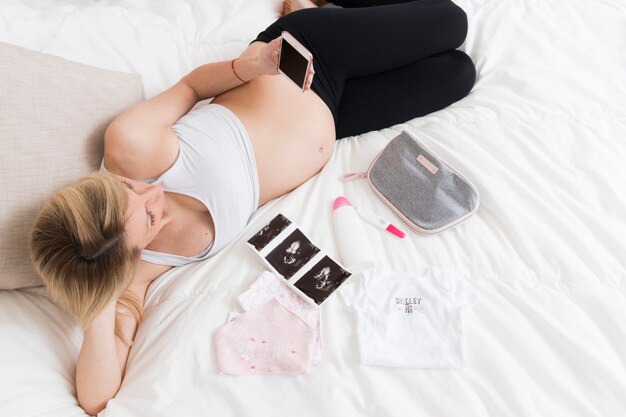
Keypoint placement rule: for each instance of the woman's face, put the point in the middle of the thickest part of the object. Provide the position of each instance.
(144, 214)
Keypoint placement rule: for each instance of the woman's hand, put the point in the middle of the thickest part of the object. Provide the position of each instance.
(267, 61)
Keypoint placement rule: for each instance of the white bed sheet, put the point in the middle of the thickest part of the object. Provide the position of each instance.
(543, 137)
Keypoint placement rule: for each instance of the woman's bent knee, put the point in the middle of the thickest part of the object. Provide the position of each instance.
(465, 73)
(457, 21)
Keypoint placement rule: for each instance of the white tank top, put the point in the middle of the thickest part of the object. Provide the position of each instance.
(216, 166)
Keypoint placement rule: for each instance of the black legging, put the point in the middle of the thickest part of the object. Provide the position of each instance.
(379, 66)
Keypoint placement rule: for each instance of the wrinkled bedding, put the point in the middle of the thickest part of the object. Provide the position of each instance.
(542, 136)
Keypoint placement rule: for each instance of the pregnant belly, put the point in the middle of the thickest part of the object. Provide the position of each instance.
(292, 133)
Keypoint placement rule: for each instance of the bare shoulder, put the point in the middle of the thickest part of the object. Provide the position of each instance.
(135, 155)
(140, 142)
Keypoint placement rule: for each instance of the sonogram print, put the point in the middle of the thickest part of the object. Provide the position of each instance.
(292, 253)
(324, 278)
(269, 232)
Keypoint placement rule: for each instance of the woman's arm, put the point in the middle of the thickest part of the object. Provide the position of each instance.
(150, 117)
(161, 111)
(103, 356)
(255, 61)
(140, 142)
(102, 360)
(98, 374)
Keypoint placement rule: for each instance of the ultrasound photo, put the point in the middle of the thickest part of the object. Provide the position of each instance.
(324, 278)
(269, 232)
(294, 252)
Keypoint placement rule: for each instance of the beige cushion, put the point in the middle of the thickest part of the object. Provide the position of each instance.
(53, 114)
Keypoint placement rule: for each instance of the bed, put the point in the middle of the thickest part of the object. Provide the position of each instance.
(542, 135)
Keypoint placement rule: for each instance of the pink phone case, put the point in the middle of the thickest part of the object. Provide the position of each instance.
(288, 37)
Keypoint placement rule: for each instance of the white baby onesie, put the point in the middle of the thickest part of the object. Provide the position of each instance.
(409, 320)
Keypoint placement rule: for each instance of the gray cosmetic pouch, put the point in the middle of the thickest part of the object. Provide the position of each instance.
(423, 190)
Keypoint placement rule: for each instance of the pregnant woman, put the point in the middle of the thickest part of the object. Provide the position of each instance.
(179, 182)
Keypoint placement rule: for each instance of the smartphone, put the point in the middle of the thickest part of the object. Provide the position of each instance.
(294, 60)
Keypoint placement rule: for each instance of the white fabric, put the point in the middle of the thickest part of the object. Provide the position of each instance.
(408, 319)
(541, 135)
(354, 246)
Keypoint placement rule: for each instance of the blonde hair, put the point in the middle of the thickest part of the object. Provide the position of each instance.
(79, 249)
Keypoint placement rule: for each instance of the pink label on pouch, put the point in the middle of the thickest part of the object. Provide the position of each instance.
(427, 164)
